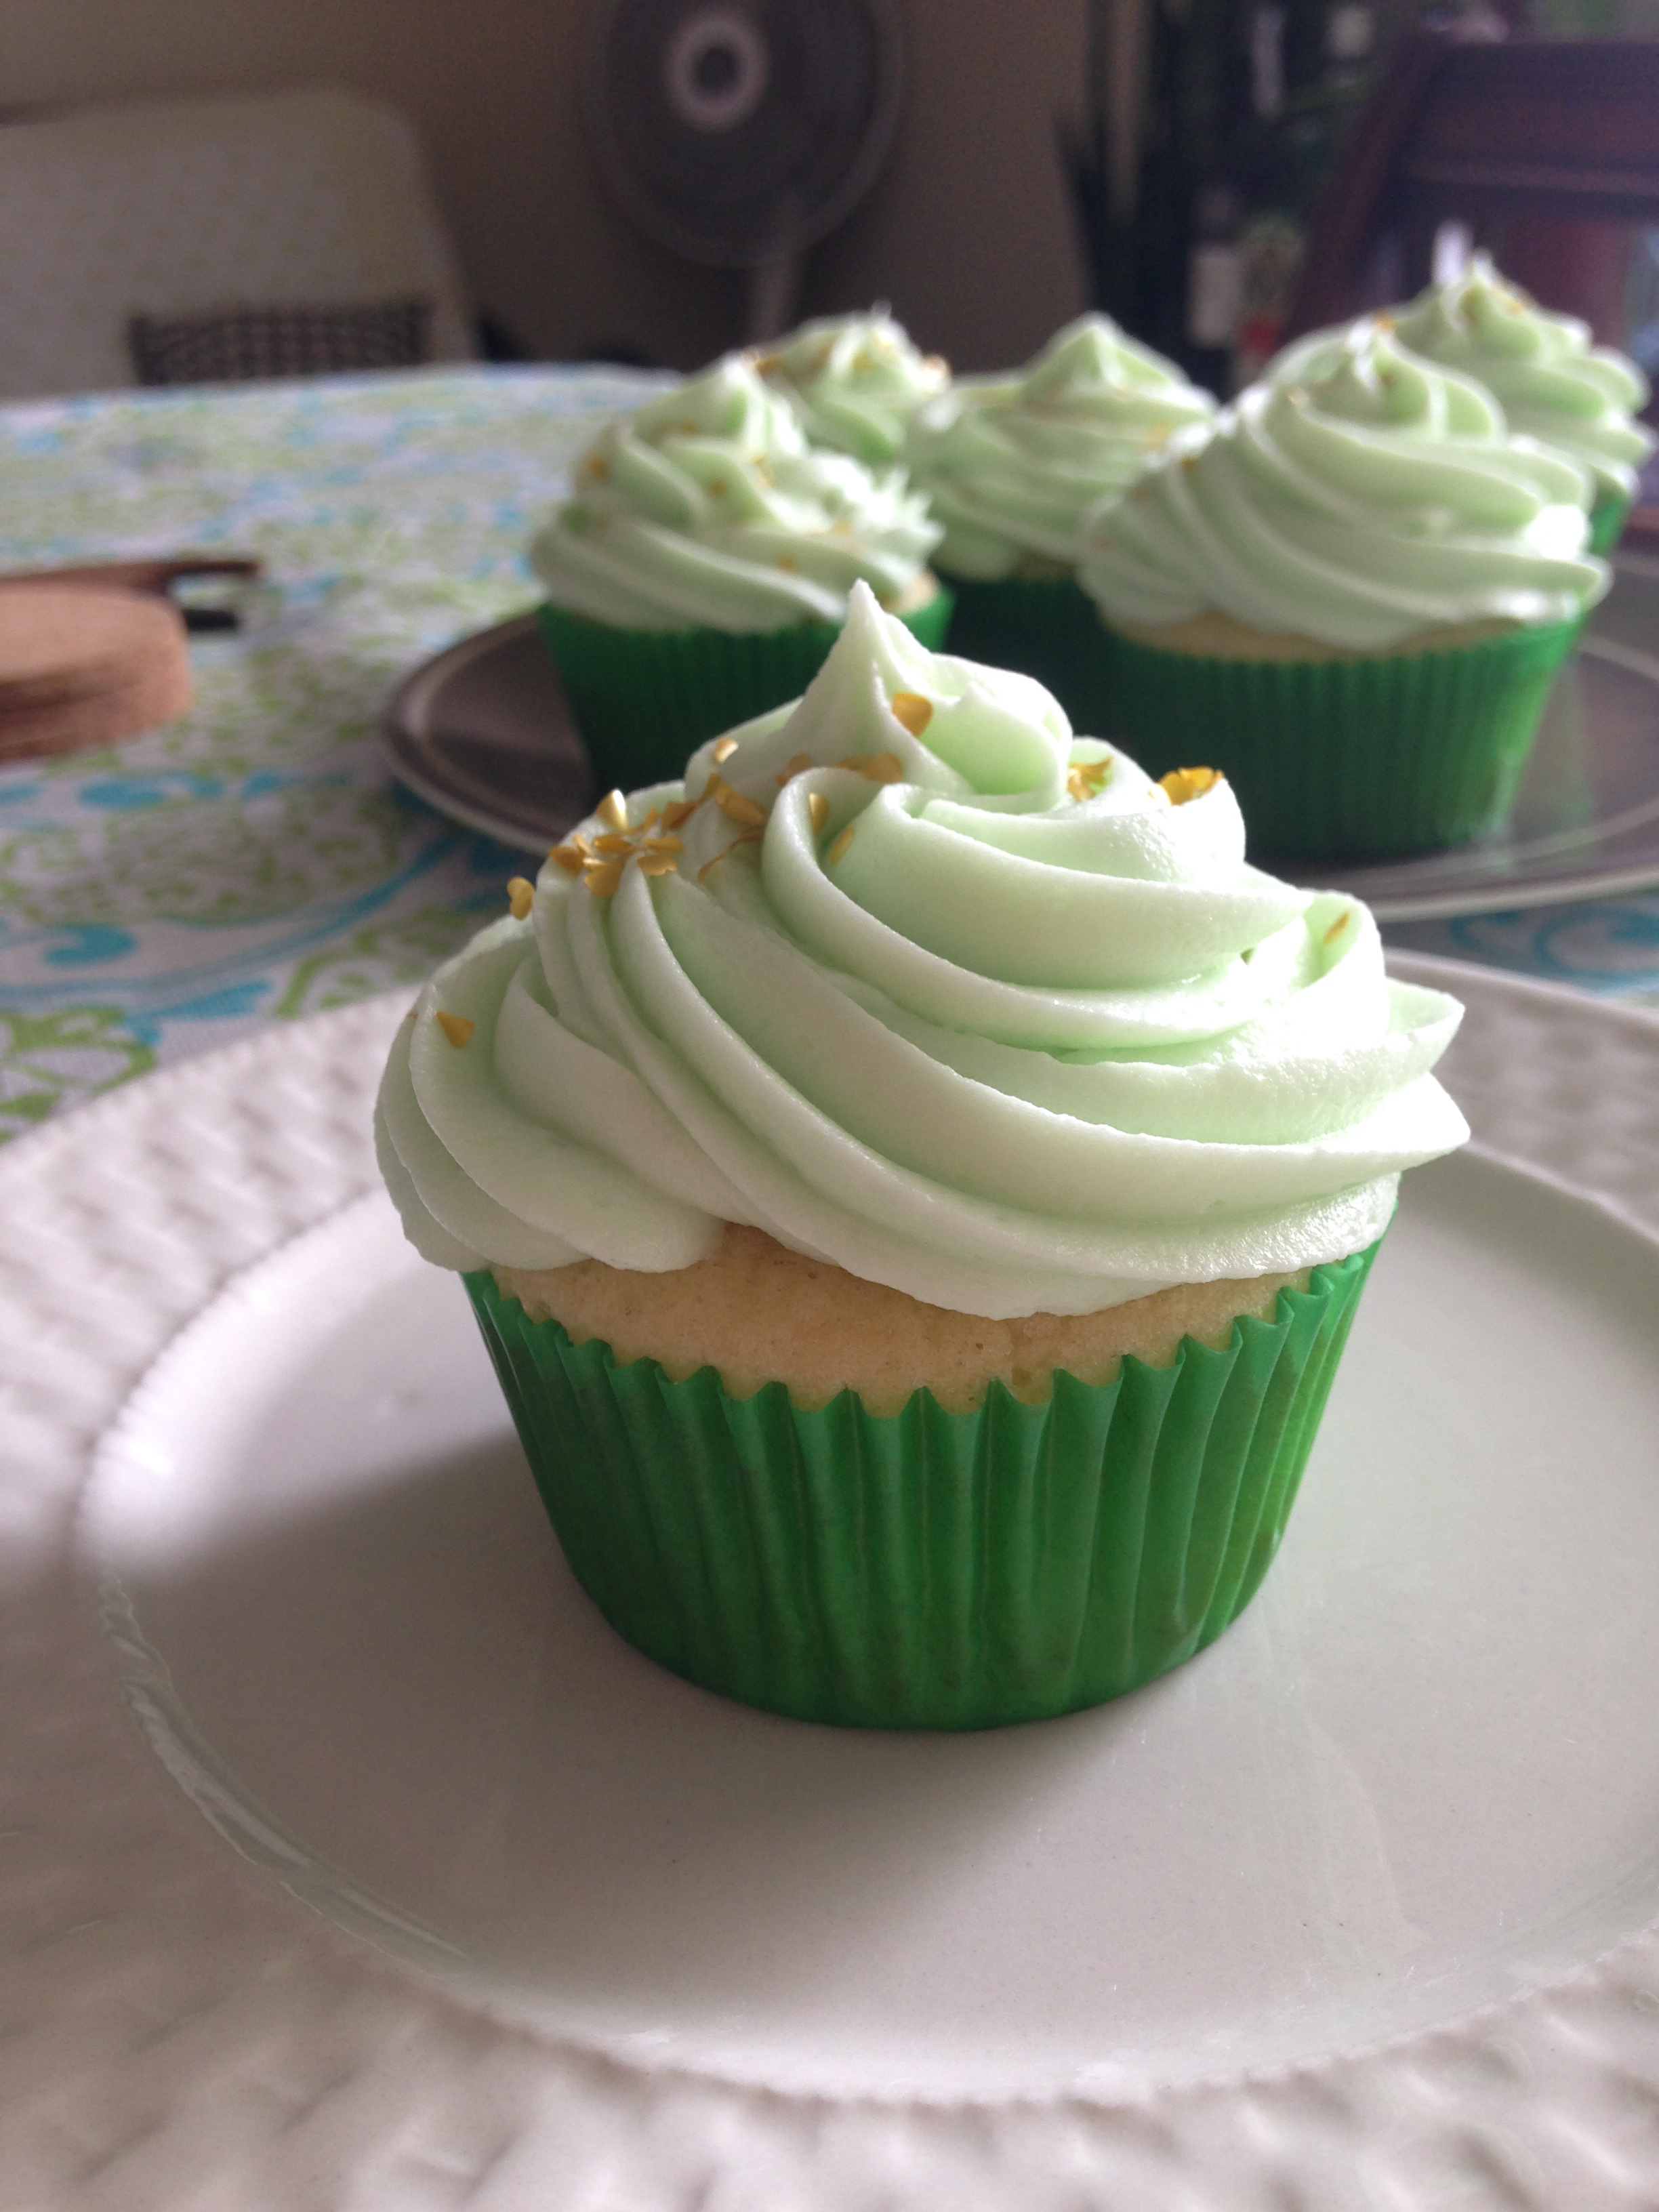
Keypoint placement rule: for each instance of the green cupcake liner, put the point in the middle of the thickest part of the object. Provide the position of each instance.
(1046, 626)
(1348, 760)
(643, 699)
(1606, 521)
(925, 1569)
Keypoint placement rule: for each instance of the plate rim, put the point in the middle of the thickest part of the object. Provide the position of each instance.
(1525, 2072)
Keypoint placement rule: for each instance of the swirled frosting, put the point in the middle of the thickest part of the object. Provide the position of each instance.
(853, 382)
(920, 985)
(1010, 464)
(1552, 383)
(1371, 498)
(707, 509)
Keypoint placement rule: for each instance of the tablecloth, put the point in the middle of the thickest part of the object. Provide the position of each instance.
(254, 861)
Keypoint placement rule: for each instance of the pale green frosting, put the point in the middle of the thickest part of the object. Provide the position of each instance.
(707, 509)
(853, 382)
(1371, 498)
(1553, 384)
(1011, 1049)
(1011, 464)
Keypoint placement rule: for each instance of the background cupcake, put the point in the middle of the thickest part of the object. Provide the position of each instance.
(916, 1178)
(1012, 465)
(1352, 595)
(701, 568)
(1552, 383)
(853, 382)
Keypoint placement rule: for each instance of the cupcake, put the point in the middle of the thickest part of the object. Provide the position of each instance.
(853, 382)
(1011, 465)
(1352, 595)
(701, 568)
(915, 1180)
(1550, 383)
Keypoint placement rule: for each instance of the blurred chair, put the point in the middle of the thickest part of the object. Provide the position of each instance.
(1547, 149)
(204, 239)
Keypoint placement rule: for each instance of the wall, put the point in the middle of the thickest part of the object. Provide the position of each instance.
(966, 231)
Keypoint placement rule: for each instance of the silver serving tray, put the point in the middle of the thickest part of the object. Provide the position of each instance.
(482, 732)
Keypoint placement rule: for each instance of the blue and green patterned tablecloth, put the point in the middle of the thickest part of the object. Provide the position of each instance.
(253, 861)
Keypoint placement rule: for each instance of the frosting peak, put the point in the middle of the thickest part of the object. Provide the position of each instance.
(853, 382)
(707, 509)
(922, 986)
(1011, 463)
(1551, 382)
(1360, 496)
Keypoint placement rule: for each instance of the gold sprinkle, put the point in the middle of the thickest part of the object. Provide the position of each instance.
(613, 809)
(679, 811)
(1383, 322)
(817, 812)
(657, 864)
(1185, 783)
(612, 845)
(798, 766)
(738, 808)
(520, 896)
(786, 560)
(660, 845)
(883, 768)
(602, 877)
(1338, 926)
(1189, 460)
(912, 710)
(838, 850)
(571, 857)
(456, 1028)
(599, 466)
(722, 749)
(1086, 780)
(763, 363)
(718, 488)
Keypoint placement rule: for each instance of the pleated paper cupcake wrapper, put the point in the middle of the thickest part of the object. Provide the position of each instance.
(1607, 522)
(925, 1569)
(1045, 627)
(644, 699)
(1348, 760)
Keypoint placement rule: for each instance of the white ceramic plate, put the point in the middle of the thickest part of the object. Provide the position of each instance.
(1353, 1910)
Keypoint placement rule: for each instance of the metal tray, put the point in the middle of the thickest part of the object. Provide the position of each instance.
(483, 732)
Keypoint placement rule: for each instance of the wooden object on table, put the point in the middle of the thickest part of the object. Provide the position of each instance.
(94, 653)
(86, 664)
(1543, 146)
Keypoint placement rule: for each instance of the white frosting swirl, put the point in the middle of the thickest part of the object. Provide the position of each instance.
(1553, 384)
(853, 382)
(1011, 464)
(1373, 498)
(706, 508)
(932, 991)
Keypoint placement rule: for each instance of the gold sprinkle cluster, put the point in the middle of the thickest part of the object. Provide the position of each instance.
(600, 860)
(1184, 783)
(1086, 780)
